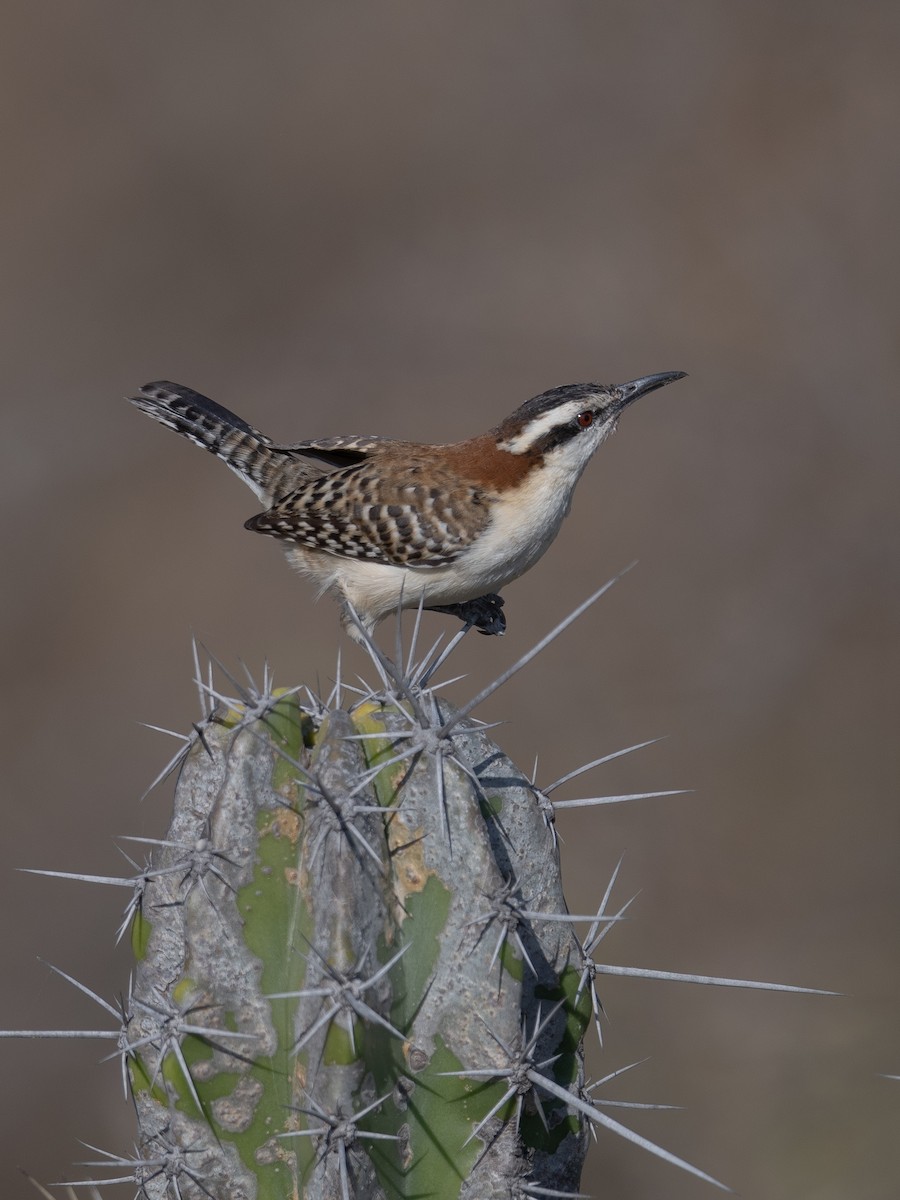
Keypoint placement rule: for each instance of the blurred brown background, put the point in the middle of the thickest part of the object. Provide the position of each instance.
(408, 218)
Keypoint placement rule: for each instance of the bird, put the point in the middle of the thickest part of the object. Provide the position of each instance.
(383, 524)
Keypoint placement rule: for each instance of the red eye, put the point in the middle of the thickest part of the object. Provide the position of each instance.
(585, 418)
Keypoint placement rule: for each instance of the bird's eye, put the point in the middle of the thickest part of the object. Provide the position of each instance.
(585, 418)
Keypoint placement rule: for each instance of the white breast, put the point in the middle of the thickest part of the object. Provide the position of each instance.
(525, 522)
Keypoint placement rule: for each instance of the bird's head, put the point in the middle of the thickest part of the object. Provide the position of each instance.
(567, 424)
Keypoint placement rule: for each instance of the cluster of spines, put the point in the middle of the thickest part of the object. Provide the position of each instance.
(166, 1039)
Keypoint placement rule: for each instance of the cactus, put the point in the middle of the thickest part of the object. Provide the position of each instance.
(356, 948)
(356, 973)
(335, 939)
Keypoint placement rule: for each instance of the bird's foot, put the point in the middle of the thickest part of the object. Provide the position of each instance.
(484, 613)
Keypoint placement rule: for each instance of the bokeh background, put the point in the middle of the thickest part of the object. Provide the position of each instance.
(408, 218)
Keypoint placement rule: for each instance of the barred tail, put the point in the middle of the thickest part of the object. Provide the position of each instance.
(241, 447)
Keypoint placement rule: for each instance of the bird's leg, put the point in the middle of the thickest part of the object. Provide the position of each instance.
(484, 613)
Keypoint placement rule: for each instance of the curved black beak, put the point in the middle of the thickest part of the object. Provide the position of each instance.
(628, 392)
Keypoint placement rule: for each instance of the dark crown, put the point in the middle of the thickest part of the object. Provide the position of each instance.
(547, 401)
(518, 421)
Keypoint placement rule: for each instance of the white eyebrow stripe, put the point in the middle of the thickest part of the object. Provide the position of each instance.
(536, 429)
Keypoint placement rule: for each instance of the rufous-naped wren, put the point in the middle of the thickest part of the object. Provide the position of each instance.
(384, 524)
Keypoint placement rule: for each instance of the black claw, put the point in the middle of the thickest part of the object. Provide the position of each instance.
(485, 613)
